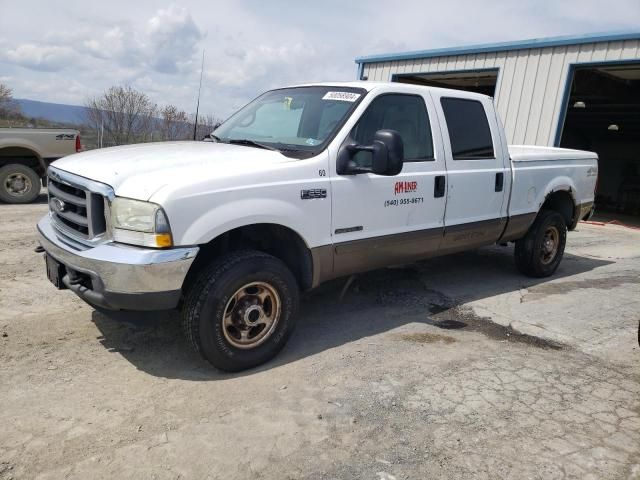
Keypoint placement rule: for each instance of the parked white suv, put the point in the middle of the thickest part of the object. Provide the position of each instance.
(303, 185)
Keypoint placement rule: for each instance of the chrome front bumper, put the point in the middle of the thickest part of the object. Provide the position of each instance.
(122, 277)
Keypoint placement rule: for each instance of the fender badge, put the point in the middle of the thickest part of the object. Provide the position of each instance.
(313, 193)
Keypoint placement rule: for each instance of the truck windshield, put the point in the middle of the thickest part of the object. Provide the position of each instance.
(299, 122)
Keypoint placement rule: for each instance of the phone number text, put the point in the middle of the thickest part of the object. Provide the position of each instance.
(403, 201)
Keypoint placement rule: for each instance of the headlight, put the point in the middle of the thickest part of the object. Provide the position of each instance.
(140, 223)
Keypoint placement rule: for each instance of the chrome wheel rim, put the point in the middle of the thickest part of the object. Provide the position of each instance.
(251, 315)
(17, 184)
(550, 244)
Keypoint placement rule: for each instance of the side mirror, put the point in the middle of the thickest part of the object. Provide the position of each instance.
(387, 152)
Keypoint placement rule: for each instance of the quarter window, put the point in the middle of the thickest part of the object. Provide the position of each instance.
(468, 127)
(405, 114)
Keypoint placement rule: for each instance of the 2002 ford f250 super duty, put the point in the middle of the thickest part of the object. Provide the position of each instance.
(302, 185)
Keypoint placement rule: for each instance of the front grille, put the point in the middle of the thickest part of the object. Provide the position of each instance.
(76, 210)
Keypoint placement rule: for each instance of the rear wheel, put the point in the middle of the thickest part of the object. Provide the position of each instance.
(539, 253)
(18, 184)
(241, 310)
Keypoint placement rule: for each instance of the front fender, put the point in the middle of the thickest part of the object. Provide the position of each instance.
(224, 218)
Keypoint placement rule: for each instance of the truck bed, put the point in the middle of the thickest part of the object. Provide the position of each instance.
(540, 171)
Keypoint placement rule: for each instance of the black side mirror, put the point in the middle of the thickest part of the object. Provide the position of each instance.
(387, 151)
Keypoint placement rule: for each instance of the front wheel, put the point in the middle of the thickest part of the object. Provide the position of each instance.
(241, 310)
(539, 253)
(18, 184)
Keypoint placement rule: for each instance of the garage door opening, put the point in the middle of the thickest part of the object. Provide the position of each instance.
(603, 115)
(479, 81)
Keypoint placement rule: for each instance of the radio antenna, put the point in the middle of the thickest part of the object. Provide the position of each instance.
(195, 125)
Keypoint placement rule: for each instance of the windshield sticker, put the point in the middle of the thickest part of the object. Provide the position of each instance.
(341, 96)
(312, 141)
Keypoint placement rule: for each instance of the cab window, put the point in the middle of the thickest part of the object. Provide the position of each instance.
(407, 115)
(469, 130)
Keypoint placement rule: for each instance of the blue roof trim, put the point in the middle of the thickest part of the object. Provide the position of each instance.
(503, 46)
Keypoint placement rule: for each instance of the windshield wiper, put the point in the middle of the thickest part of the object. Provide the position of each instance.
(251, 143)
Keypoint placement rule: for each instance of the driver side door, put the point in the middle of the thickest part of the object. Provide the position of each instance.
(380, 220)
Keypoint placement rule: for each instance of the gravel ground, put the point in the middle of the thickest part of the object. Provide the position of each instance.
(407, 377)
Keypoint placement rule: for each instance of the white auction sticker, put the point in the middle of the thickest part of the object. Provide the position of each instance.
(341, 96)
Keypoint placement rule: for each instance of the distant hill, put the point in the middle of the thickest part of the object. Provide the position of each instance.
(54, 112)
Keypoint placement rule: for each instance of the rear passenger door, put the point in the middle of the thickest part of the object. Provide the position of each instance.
(477, 171)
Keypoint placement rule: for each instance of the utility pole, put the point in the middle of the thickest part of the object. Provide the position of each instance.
(195, 124)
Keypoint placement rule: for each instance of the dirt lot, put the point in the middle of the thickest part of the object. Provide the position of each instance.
(407, 377)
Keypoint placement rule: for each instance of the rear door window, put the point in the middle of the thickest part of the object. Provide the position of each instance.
(469, 130)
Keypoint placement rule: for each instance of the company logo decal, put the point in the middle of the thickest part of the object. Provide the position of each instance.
(405, 187)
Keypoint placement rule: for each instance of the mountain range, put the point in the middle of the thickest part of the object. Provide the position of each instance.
(54, 112)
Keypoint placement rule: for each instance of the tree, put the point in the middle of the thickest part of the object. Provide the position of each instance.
(175, 124)
(8, 107)
(206, 125)
(122, 115)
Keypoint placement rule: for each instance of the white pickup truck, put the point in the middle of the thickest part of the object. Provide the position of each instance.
(303, 185)
(25, 154)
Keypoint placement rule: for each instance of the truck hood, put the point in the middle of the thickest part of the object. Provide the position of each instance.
(137, 171)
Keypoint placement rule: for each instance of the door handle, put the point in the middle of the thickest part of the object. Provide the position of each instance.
(499, 181)
(439, 186)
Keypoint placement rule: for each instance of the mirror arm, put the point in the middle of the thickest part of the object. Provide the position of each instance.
(354, 148)
(356, 170)
(350, 166)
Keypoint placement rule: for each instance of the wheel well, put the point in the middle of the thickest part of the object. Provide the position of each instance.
(561, 202)
(281, 242)
(22, 156)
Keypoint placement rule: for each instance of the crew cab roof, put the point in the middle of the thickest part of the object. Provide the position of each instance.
(400, 87)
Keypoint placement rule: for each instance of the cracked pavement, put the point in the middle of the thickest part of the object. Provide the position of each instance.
(457, 367)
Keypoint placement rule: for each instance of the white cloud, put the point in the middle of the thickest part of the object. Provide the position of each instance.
(40, 57)
(173, 39)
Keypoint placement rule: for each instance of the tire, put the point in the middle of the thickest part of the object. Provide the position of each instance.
(230, 295)
(19, 184)
(539, 253)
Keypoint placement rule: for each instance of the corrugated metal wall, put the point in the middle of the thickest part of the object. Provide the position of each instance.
(531, 82)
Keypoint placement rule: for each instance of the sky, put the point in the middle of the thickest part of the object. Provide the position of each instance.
(66, 51)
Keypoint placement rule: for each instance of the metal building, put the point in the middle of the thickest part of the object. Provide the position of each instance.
(578, 92)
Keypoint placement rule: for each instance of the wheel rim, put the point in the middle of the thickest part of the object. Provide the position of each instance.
(550, 245)
(17, 184)
(251, 315)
